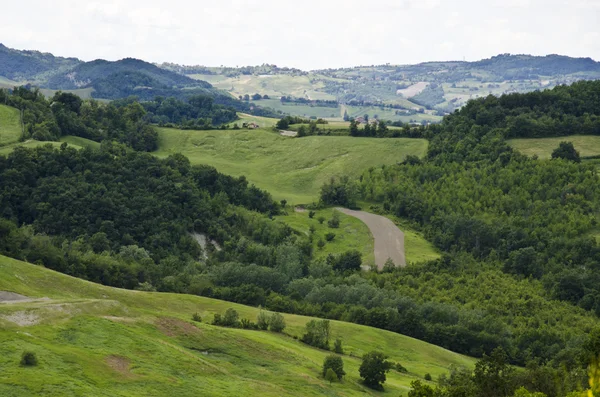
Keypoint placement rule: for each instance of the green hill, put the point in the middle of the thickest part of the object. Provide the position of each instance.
(31, 65)
(10, 125)
(101, 341)
(291, 169)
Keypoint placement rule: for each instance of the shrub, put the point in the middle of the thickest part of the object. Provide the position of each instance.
(329, 236)
(29, 359)
(230, 319)
(337, 346)
(400, 368)
(321, 219)
(335, 364)
(427, 377)
(317, 334)
(330, 376)
(334, 222)
(247, 324)
(262, 321)
(277, 323)
(320, 243)
(373, 369)
(196, 317)
(217, 319)
(311, 214)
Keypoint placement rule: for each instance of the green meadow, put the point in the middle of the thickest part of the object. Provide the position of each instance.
(101, 341)
(587, 145)
(10, 125)
(289, 168)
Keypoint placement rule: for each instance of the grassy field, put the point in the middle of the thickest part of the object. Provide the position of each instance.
(263, 122)
(10, 125)
(101, 341)
(291, 169)
(77, 141)
(352, 234)
(587, 145)
(73, 141)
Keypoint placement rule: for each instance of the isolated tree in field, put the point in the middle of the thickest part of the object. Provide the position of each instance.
(262, 320)
(335, 364)
(283, 124)
(346, 118)
(566, 150)
(276, 322)
(321, 219)
(29, 359)
(373, 369)
(231, 318)
(337, 346)
(317, 334)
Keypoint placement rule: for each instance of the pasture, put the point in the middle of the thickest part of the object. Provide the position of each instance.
(586, 145)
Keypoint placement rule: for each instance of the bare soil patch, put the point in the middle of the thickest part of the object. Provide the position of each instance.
(413, 90)
(175, 327)
(23, 319)
(389, 240)
(288, 133)
(120, 364)
(6, 296)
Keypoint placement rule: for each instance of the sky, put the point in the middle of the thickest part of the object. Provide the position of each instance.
(307, 34)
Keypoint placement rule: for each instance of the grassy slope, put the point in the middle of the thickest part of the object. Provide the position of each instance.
(587, 145)
(10, 125)
(263, 122)
(291, 169)
(96, 340)
(73, 141)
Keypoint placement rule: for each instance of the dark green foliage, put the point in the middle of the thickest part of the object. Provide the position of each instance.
(334, 363)
(26, 65)
(29, 359)
(276, 323)
(247, 324)
(419, 389)
(400, 368)
(320, 244)
(339, 191)
(432, 95)
(317, 334)
(566, 151)
(347, 261)
(337, 346)
(373, 369)
(329, 236)
(492, 375)
(262, 321)
(427, 377)
(321, 219)
(197, 318)
(334, 222)
(311, 214)
(330, 375)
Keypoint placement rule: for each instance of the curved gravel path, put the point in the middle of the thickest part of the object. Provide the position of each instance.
(389, 240)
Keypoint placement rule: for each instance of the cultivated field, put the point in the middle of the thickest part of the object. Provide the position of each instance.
(587, 145)
(290, 168)
(10, 125)
(116, 342)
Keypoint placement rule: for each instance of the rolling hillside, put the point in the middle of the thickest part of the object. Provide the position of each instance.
(291, 169)
(31, 65)
(96, 340)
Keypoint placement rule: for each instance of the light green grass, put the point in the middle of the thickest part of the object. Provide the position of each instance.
(5, 150)
(263, 122)
(352, 234)
(83, 93)
(83, 325)
(77, 141)
(10, 125)
(587, 145)
(291, 169)
(296, 109)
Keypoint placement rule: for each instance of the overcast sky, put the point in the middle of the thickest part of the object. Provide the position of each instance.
(307, 34)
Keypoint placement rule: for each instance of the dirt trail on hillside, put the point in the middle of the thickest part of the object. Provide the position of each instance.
(389, 240)
(11, 297)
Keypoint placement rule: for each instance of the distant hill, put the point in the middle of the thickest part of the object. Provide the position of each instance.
(31, 65)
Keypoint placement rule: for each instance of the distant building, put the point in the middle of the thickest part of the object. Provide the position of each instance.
(360, 120)
(253, 126)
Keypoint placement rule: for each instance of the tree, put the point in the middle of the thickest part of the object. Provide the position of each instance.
(418, 389)
(566, 150)
(334, 222)
(317, 334)
(329, 236)
(337, 346)
(276, 322)
(346, 118)
(311, 214)
(302, 131)
(492, 374)
(321, 219)
(29, 359)
(231, 318)
(262, 320)
(330, 375)
(373, 369)
(283, 124)
(354, 128)
(334, 363)
(197, 318)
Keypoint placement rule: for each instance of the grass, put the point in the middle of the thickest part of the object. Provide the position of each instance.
(587, 145)
(263, 122)
(77, 141)
(352, 234)
(10, 125)
(291, 169)
(96, 340)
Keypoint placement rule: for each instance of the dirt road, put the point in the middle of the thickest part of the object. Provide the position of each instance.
(389, 240)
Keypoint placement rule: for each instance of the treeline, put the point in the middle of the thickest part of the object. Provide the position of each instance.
(562, 111)
(311, 102)
(196, 112)
(67, 114)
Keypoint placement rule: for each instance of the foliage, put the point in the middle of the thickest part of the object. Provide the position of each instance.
(276, 323)
(317, 334)
(566, 151)
(339, 191)
(29, 359)
(337, 346)
(197, 318)
(373, 369)
(334, 363)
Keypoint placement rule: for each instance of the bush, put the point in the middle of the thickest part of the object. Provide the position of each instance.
(321, 219)
(334, 363)
(311, 214)
(427, 377)
(329, 236)
(373, 369)
(337, 346)
(196, 317)
(247, 324)
(217, 319)
(334, 222)
(320, 243)
(317, 334)
(262, 321)
(230, 319)
(277, 323)
(330, 375)
(29, 359)
(400, 368)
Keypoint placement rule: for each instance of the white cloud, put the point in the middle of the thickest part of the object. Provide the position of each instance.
(306, 34)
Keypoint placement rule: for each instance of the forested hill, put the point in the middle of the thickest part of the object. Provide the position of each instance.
(31, 65)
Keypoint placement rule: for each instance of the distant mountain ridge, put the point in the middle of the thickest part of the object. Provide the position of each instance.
(31, 65)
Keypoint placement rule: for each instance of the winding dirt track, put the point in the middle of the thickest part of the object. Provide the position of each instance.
(389, 240)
